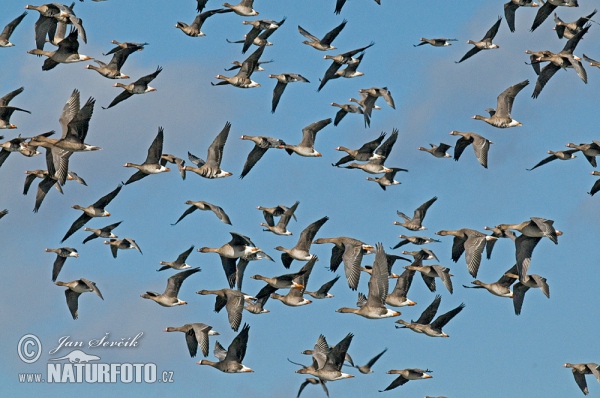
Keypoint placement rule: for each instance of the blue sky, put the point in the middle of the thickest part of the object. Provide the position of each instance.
(491, 351)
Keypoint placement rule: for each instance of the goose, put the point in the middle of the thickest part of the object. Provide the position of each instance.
(61, 256)
(66, 53)
(340, 3)
(193, 30)
(564, 59)
(282, 82)
(51, 15)
(439, 151)
(242, 78)
(329, 365)
(405, 376)
(212, 167)
(481, 146)
(230, 361)
(313, 381)
(500, 117)
(261, 145)
(500, 288)
(275, 211)
(122, 244)
(257, 66)
(112, 70)
(570, 29)
(430, 272)
(366, 369)
(470, 242)
(282, 281)
(48, 180)
(74, 290)
(140, 86)
(9, 29)
(534, 57)
(397, 298)
(180, 163)
(422, 254)
(258, 307)
(350, 70)
(417, 240)
(511, 7)
(362, 154)
(151, 165)
(388, 178)
(196, 334)
(232, 300)
(281, 227)
(306, 147)
(169, 297)
(580, 370)
(323, 291)
(562, 155)
(373, 307)
(590, 151)
(523, 285)
(415, 223)
(498, 233)
(104, 232)
(369, 101)
(350, 251)
(320, 352)
(323, 44)
(425, 325)
(13, 145)
(376, 164)
(125, 45)
(596, 186)
(32, 175)
(300, 252)
(257, 33)
(546, 9)
(94, 210)
(344, 110)
(439, 42)
(338, 61)
(5, 115)
(244, 8)
(483, 44)
(294, 297)
(205, 206)
(591, 61)
(179, 263)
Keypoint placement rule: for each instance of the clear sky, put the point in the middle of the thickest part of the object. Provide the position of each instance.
(491, 351)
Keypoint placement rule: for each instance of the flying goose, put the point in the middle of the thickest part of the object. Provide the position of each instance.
(417, 240)
(547, 8)
(373, 306)
(232, 300)
(369, 101)
(196, 334)
(66, 53)
(282, 82)
(406, 375)
(501, 288)
(500, 117)
(122, 244)
(511, 7)
(328, 365)
(440, 42)
(230, 360)
(580, 370)
(301, 252)
(140, 86)
(481, 146)
(388, 178)
(212, 167)
(151, 165)
(306, 147)
(470, 242)
(415, 223)
(61, 256)
(94, 210)
(376, 164)
(261, 145)
(425, 325)
(125, 45)
(344, 110)
(421, 254)
(363, 154)
(570, 29)
(281, 227)
(338, 61)
(258, 31)
(590, 151)
(112, 70)
(8, 30)
(430, 272)
(244, 8)
(523, 285)
(105, 232)
(74, 290)
(366, 369)
(350, 251)
(562, 155)
(179, 263)
(323, 291)
(169, 297)
(295, 296)
(340, 3)
(397, 298)
(51, 15)
(439, 151)
(5, 114)
(242, 78)
(483, 44)
(202, 205)
(323, 44)
(193, 30)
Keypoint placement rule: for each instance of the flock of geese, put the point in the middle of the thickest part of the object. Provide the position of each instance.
(58, 25)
